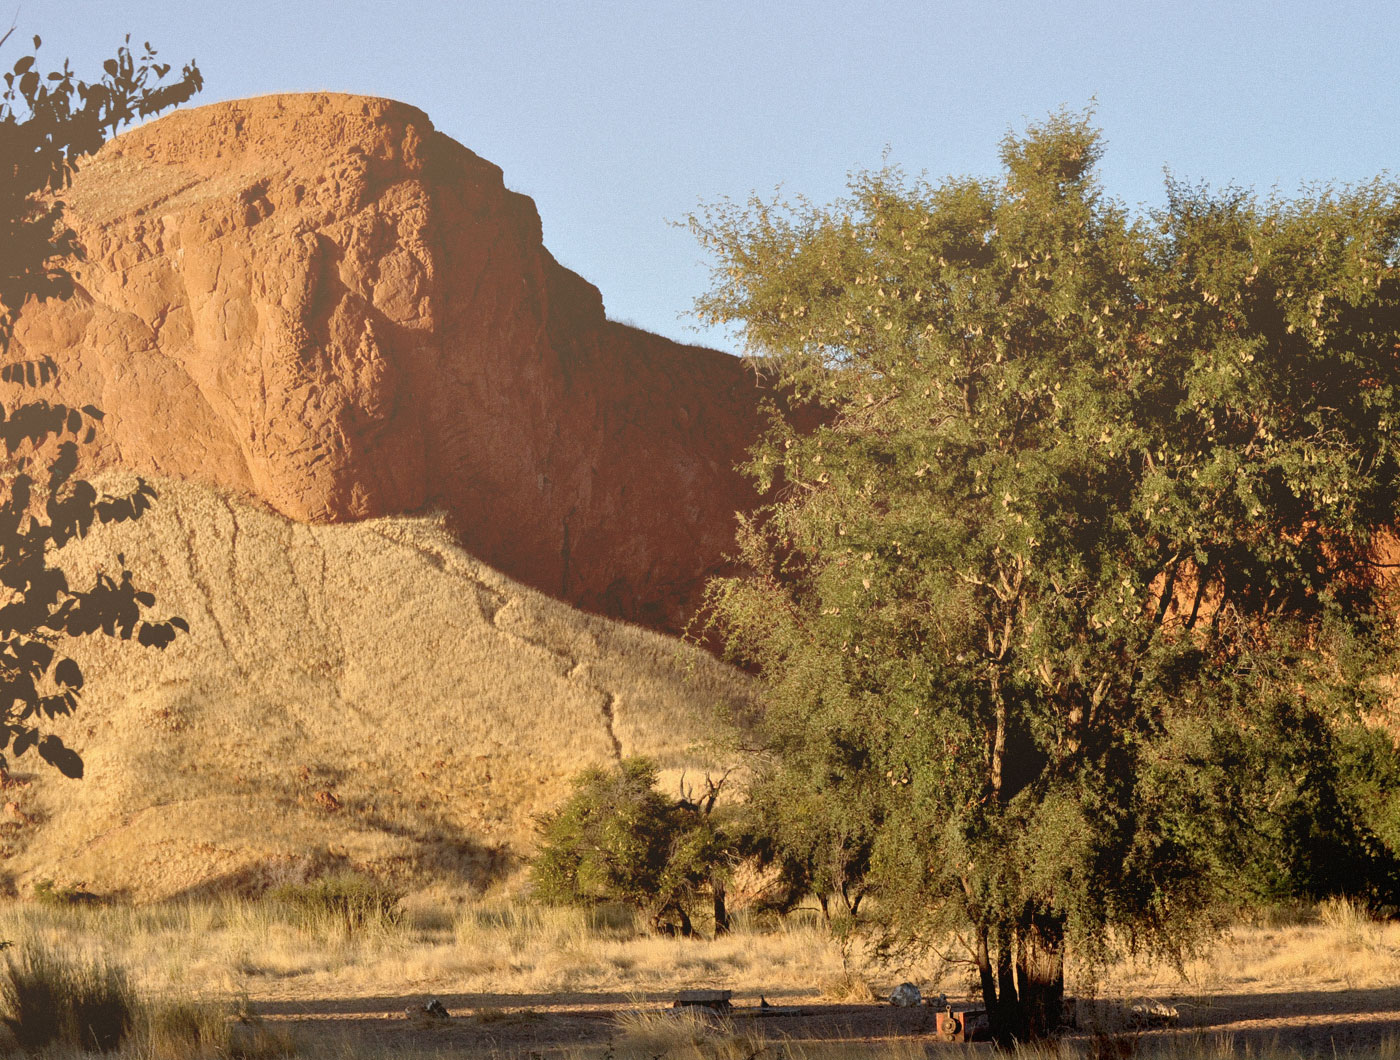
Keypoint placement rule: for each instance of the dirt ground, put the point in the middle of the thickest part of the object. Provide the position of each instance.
(1324, 1022)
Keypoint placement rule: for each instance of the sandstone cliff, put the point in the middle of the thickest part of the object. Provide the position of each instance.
(322, 302)
(364, 695)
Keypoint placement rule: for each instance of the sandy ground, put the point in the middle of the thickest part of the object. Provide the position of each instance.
(1323, 1022)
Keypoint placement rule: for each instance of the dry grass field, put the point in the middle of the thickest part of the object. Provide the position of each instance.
(232, 977)
(359, 697)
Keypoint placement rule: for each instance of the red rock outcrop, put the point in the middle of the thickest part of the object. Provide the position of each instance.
(321, 301)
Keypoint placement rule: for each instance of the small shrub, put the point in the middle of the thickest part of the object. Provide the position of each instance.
(102, 1008)
(612, 920)
(617, 840)
(849, 988)
(32, 991)
(1350, 920)
(257, 1041)
(347, 901)
(52, 999)
(47, 892)
(1277, 915)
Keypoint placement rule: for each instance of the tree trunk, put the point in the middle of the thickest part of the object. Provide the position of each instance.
(721, 910)
(1040, 971)
(1005, 1017)
(1024, 997)
(1008, 1002)
(988, 980)
(661, 921)
(852, 904)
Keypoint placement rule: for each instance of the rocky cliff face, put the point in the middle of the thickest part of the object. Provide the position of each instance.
(322, 302)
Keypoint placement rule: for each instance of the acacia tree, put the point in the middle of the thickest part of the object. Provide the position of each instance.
(1084, 568)
(818, 833)
(618, 839)
(47, 123)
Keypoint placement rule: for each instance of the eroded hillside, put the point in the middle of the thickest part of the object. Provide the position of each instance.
(365, 695)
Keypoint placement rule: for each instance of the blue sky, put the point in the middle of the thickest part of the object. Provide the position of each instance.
(621, 117)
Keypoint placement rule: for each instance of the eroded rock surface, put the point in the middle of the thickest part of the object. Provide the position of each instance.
(321, 301)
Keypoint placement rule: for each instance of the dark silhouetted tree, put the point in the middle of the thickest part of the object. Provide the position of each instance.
(48, 122)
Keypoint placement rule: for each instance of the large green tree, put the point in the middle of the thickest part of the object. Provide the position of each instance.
(48, 122)
(1067, 597)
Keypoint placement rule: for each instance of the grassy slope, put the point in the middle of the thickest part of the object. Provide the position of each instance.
(363, 694)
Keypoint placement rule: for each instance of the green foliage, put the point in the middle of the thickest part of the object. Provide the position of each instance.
(617, 839)
(1063, 604)
(49, 999)
(1368, 771)
(348, 902)
(47, 122)
(1290, 806)
(817, 830)
(47, 892)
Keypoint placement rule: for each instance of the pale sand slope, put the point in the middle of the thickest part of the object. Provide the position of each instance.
(365, 695)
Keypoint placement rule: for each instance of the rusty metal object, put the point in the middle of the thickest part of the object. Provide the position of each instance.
(969, 1026)
(950, 1027)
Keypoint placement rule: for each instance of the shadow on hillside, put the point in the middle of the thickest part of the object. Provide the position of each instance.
(440, 849)
(436, 849)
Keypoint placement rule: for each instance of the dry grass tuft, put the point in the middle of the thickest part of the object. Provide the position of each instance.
(60, 1004)
(184, 1029)
(1345, 915)
(445, 943)
(683, 1034)
(188, 1030)
(346, 903)
(849, 989)
(52, 998)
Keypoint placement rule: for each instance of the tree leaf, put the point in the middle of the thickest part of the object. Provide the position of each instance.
(24, 740)
(68, 673)
(64, 759)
